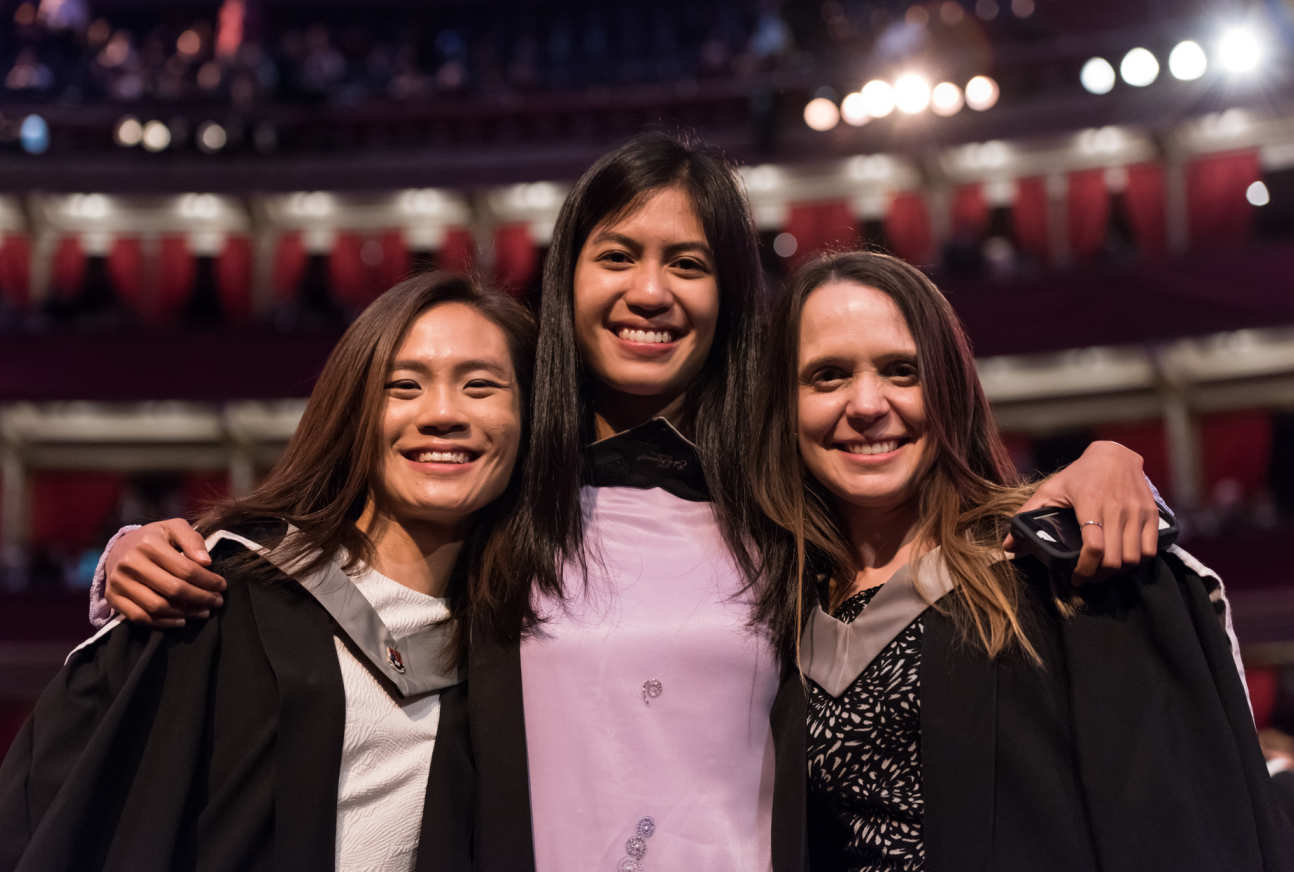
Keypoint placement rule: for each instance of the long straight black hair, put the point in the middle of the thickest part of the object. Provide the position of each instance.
(547, 528)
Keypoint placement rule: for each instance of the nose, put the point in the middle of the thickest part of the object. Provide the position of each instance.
(442, 412)
(649, 290)
(867, 400)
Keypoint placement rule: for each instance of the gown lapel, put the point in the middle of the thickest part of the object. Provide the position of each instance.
(958, 741)
(312, 713)
(504, 840)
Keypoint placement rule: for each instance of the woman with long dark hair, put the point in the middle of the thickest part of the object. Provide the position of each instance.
(967, 709)
(631, 702)
(295, 727)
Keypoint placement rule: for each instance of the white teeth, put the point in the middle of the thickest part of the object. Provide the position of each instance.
(872, 447)
(443, 457)
(631, 335)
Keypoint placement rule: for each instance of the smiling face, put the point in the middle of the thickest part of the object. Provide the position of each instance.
(646, 300)
(861, 416)
(451, 422)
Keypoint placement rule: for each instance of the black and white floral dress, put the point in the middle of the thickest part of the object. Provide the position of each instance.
(865, 758)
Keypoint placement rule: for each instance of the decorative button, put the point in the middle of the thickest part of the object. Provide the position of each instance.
(652, 688)
(636, 846)
(393, 657)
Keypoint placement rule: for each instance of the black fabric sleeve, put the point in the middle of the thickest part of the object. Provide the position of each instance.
(103, 736)
(1165, 743)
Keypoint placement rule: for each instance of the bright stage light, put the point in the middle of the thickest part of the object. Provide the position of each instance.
(1257, 194)
(129, 132)
(821, 114)
(946, 99)
(1139, 67)
(33, 135)
(878, 98)
(853, 109)
(157, 136)
(212, 137)
(1097, 76)
(911, 93)
(981, 93)
(1240, 50)
(1187, 61)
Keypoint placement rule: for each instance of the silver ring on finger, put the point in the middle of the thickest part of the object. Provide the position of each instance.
(1094, 524)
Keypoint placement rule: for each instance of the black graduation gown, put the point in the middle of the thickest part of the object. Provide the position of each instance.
(213, 747)
(480, 783)
(1132, 748)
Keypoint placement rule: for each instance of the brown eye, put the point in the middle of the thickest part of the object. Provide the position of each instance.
(825, 379)
(692, 265)
(614, 257)
(904, 371)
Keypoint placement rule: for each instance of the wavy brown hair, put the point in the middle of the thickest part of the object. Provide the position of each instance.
(969, 488)
(322, 481)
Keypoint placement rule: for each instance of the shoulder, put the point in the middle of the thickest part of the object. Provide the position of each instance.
(254, 535)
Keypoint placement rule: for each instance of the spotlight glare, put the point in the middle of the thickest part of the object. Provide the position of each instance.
(821, 114)
(1187, 61)
(784, 245)
(981, 93)
(1097, 76)
(212, 137)
(189, 43)
(156, 136)
(1257, 194)
(33, 134)
(911, 93)
(129, 132)
(1139, 67)
(946, 99)
(1240, 50)
(853, 109)
(878, 98)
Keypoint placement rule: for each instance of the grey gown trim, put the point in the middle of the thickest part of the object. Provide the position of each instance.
(413, 665)
(834, 653)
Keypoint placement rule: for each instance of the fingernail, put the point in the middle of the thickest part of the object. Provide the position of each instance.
(204, 555)
(203, 614)
(172, 623)
(219, 601)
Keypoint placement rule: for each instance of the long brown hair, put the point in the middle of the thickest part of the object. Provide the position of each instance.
(323, 478)
(969, 487)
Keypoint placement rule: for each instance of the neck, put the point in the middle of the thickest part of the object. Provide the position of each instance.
(881, 540)
(616, 412)
(418, 554)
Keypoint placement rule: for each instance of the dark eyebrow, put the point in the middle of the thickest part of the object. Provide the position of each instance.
(845, 363)
(636, 247)
(826, 360)
(696, 247)
(462, 366)
(619, 239)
